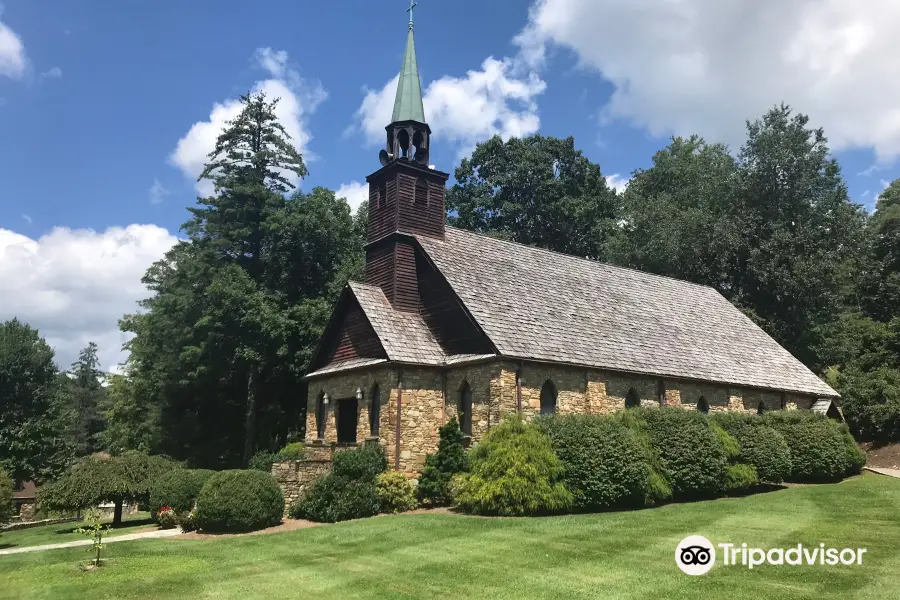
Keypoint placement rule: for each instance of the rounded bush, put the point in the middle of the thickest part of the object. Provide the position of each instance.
(605, 465)
(166, 518)
(766, 450)
(513, 472)
(818, 449)
(729, 444)
(734, 422)
(740, 477)
(177, 489)
(362, 463)
(334, 498)
(692, 457)
(239, 501)
(395, 494)
(855, 457)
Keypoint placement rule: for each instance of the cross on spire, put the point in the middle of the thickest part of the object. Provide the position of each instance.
(412, 5)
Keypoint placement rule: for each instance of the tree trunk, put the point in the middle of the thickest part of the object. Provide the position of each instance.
(250, 422)
(117, 513)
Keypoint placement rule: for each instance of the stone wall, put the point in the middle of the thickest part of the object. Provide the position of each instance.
(294, 476)
(430, 396)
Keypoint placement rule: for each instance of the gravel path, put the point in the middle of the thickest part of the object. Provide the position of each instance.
(160, 533)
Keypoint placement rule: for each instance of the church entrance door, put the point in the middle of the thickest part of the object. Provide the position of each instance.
(347, 411)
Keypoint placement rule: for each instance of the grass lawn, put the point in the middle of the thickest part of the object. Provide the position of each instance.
(65, 532)
(612, 555)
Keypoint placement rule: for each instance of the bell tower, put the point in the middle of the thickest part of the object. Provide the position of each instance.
(406, 195)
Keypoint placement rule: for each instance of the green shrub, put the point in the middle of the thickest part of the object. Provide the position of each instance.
(729, 444)
(766, 450)
(188, 522)
(855, 457)
(239, 501)
(818, 449)
(440, 467)
(691, 456)
(348, 491)
(658, 489)
(513, 472)
(166, 517)
(362, 463)
(605, 464)
(6, 493)
(263, 460)
(332, 498)
(735, 422)
(395, 494)
(177, 489)
(740, 477)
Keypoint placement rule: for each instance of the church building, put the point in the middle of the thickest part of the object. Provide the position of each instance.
(449, 322)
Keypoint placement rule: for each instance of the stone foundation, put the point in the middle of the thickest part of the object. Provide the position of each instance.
(294, 476)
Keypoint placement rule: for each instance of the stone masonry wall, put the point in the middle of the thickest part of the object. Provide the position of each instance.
(430, 396)
(295, 476)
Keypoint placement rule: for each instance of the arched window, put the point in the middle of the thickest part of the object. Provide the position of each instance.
(320, 417)
(703, 405)
(465, 409)
(421, 198)
(761, 408)
(548, 398)
(374, 411)
(632, 400)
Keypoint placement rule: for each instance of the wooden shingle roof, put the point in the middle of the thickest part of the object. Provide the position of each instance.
(542, 305)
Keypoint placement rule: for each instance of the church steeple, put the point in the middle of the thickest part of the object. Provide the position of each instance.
(408, 104)
(408, 135)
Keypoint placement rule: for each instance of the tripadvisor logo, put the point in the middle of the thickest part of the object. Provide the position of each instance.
(696, 555)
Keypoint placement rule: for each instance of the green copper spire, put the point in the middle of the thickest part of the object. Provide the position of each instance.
(408, 105)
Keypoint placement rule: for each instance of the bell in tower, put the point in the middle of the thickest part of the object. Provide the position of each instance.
(408, 135)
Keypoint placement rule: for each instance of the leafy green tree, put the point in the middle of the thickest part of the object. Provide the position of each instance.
(539, 191)
(130, 423)
(85, 399)
(773, 230)
(6, 500)
(882, 283)
(102, 478)
(220, 349)
(30, 445)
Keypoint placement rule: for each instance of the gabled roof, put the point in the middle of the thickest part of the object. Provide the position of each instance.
(541, 305)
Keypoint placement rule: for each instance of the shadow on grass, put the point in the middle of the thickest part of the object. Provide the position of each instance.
(123, 525)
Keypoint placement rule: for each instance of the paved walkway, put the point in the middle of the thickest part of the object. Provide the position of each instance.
(888, 472)
(160, 533)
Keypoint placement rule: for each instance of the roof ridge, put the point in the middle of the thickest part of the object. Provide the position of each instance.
(579, 258)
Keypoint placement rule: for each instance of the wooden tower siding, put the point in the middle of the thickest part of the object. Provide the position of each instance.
(405, 200)
(354, 338)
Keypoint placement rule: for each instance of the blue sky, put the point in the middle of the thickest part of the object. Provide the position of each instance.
(106, 108)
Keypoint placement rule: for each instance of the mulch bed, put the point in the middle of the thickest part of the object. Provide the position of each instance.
(884, 457)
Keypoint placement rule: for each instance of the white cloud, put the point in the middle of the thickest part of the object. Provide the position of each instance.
(158, 192)
(27, 218)
(52, 73)
(299, 99)
(617, 182)
(74, 285)
(497, 100)
(12, 52)
(704, 66)
(355, 193)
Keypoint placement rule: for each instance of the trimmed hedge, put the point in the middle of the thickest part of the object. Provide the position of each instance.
(348, 491)
(767, 451)
(605, 463)
(819, 450)
(513, 472)
(263, 460)
(692, 458)
(740, 477)
(236, 501)
(178, 489)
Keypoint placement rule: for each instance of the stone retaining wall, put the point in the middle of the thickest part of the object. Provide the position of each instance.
(294, 476)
